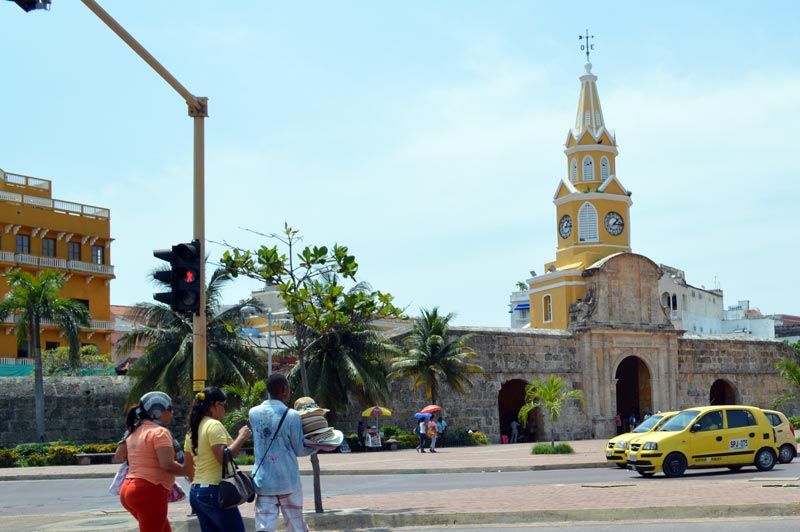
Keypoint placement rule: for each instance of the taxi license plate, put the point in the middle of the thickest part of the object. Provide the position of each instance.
(633, 457)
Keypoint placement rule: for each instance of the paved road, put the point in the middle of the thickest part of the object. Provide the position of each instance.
(747, 524)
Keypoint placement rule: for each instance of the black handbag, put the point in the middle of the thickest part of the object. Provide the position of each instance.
(235, 488)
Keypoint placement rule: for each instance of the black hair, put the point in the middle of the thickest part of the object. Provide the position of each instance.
(276, 382)
(200, 406)
(135, 416)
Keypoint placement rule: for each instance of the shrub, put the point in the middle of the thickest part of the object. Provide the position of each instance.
(61, 455)
(352, 441)
(29, 449)
(406, 440)
(546, 448)
(460, 438)
(390, 431)
(245, 459)
(8, 457)
(480, 438)
(35, 460)
(98, 447)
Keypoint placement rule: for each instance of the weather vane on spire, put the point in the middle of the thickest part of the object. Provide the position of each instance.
(588, 46)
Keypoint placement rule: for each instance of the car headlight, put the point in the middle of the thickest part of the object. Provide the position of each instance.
(621, 445)
(650, 446)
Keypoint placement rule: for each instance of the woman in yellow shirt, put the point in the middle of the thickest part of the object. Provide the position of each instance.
(205, 444)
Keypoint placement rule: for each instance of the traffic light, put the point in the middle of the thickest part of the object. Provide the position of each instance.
(30, 5)
(183, 277)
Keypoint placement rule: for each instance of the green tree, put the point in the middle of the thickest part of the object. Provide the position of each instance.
(348, 360)
(167, 339)
(33, 299)
(434, 358)
(790, 371)
(550, 395)
(302, 276)
(248, 396)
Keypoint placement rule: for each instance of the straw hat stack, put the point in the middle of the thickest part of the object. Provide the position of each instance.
(316, 431)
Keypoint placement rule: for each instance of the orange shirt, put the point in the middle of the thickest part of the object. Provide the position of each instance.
(142, 459)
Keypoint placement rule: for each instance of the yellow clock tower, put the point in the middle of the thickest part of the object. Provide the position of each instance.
(592, 210)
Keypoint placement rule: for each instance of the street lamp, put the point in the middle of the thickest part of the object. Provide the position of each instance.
(198, 110)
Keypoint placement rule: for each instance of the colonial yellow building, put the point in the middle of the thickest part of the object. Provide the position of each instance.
(592, 213)
(42, 233)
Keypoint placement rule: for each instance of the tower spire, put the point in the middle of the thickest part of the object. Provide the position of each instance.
(588, 46)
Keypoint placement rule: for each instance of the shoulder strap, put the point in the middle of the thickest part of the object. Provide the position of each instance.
(275, 435)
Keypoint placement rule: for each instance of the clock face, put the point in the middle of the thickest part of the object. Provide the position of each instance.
(565, 226)
(614, 223)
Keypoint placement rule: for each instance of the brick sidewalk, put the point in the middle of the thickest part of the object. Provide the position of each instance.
(630, 498)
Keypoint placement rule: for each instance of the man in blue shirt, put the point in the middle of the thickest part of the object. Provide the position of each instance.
(277, 477)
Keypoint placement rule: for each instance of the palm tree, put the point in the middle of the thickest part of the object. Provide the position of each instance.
(433, 358)
(249, 396)
(549, 395)
(167, 337)
(790, 371)
(31, 300)
(347, 359)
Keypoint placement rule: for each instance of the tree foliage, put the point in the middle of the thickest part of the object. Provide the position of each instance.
(434, 358)
(167, 340)
(790, 371)
(33, 299)
(307, 279)
(550, 395)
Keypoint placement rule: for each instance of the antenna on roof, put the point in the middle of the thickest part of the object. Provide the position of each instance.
(588, 46)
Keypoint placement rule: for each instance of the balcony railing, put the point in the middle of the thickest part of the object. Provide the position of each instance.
(66, 207)
(101, 325)
(52, 262)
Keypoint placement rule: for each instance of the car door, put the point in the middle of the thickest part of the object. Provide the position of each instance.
(741, 436)
(708, 445)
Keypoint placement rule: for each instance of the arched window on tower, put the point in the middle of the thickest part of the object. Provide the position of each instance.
(547, 308)
(588, 169)
(587, 223)
(605, 168)
(573, 170)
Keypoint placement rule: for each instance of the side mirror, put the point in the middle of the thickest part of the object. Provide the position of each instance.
(696, 427)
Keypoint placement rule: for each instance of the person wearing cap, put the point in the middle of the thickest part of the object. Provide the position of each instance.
(206, 441)
(277, 480)
(153, 462)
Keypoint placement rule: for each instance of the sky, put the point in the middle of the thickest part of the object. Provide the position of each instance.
(427, 137)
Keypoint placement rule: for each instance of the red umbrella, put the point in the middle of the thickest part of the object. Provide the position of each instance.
(430, 409)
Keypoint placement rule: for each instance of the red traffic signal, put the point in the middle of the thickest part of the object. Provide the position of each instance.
(183, 277)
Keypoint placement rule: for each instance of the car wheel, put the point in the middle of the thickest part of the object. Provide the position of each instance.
(765, 459)
(674, 465)
(646, 474)
(734, 467)
(786, 455)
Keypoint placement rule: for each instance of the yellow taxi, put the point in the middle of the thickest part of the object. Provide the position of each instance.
(784, 433)
(617, 447)
(729, 436)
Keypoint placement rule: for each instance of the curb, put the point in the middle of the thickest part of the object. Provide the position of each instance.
(543, 467)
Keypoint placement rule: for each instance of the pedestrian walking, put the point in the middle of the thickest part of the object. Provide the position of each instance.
(280, 429)
(420, 432)
(514, 431)
(432, 434)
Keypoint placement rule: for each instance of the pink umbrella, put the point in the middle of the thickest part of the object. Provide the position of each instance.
(430, 409)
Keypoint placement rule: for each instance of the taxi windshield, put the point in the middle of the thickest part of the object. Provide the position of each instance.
(679, 422)
(648, 424)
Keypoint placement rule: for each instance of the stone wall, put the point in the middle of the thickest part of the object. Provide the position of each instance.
(78, 409)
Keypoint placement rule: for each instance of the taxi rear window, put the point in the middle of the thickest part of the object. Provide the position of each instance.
(740, 418)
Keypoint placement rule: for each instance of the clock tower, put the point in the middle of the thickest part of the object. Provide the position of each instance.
(592, 212)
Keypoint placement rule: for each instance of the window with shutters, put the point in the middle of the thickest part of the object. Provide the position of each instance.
(97, 254)
(547, 308)
(74, 250)
(48, 247)
(23, 244)
(573, 171)
(588, 118)
(588, 169)
(605, 168)
(587, 223)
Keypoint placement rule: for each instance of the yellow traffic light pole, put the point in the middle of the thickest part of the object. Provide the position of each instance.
(198, 110)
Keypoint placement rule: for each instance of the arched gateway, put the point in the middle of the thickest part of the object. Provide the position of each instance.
(509, 401)
(634, 389)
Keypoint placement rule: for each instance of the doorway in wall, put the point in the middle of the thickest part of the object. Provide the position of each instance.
(634, 390)
(722, 393)
(509, 401)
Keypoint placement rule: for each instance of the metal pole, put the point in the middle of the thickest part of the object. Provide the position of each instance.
(269, 342)
(198, 109)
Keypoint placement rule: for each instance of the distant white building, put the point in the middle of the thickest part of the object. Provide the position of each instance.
(690, 308)
(740, 318)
